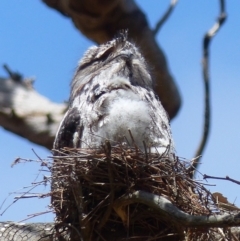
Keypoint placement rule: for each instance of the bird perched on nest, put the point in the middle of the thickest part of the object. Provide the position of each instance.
(112, 93)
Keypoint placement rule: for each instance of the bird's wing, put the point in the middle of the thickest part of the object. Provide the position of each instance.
(70, 130)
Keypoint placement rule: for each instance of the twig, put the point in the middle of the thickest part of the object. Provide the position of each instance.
(145, 149)
(133, 141)
(221, 178)
(35, 215)
(18, 199)
(13, 75)
(107, 149)
(206, 42)
(43, 195)
(41, 161)
(78, 197)
(165, 16)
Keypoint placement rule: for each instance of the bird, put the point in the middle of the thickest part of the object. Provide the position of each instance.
(112, 98)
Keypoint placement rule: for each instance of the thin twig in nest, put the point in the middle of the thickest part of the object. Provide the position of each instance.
(107, 149)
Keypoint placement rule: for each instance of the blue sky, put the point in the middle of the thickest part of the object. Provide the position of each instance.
(37, 41)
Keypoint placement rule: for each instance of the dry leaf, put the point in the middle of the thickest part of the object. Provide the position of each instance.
(223, 203)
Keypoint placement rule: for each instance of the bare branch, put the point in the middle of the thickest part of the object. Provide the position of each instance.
(13, 75)
(164, 207)
(227, 178)
(100, 21)
(205, 62)
(26, 113)
(165, 16)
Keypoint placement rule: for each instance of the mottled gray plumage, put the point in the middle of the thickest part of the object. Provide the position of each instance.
(111, 92)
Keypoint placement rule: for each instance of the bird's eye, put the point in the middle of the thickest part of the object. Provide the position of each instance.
(103, 55)
(164, 126)
(100, 56)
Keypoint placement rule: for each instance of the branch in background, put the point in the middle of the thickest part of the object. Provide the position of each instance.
(101, 20)
(227, 178)
(13, 75)
(206, 42)
(26, 113)
(165, 16)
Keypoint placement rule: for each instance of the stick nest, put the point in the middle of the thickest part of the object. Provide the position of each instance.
(90, 189)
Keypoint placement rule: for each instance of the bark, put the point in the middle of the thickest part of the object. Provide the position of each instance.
(28, 114)
(101, 20)
(10, 231)
(164, 207)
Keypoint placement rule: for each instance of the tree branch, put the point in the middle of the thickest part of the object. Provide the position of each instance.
(10, 231)
(100, 21)
(205, 62)
(165, 208)
(28, 114)
(164, 18)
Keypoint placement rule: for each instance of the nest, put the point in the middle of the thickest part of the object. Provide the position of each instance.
(107, 194)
